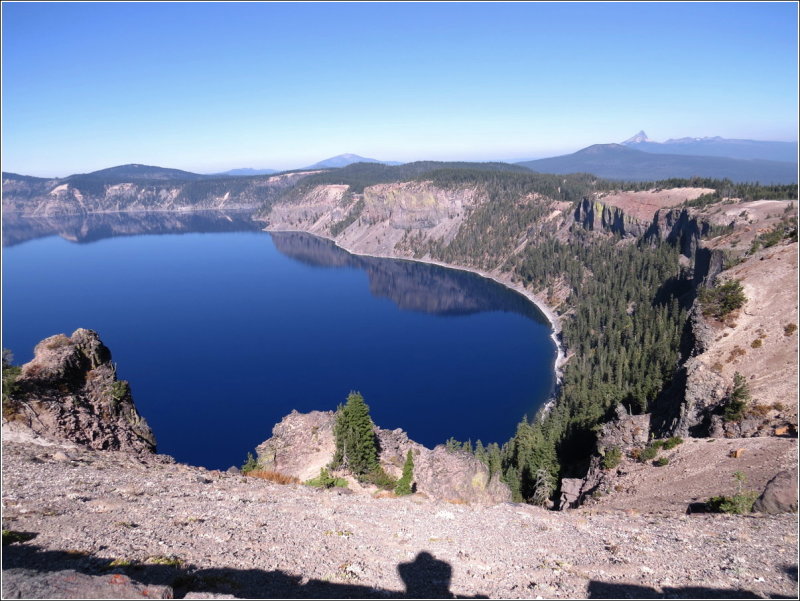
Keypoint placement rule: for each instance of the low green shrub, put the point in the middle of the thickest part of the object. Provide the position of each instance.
(662, 461)
(325, 480)
(671, 443)
(379, 478)
(612, 458)
(648, 453)
(250, 465)
(119, 389)
(739, 503)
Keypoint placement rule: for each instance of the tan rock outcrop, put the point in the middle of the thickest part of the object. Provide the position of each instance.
(70, 392)
(303, 443)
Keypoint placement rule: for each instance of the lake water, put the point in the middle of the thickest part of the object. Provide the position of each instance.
(222, 329)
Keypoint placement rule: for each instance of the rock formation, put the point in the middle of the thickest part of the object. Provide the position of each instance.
(780, 494)
(70, 392)
(81, 194)
(303, 443)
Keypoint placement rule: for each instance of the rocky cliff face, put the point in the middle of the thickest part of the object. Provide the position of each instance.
(596, 216)
(77, 195)
(386, 219)
(70, 392)
(303, 443)
(679, 227)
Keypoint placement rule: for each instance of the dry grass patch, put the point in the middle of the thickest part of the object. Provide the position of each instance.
(735, 353)
(275, 477)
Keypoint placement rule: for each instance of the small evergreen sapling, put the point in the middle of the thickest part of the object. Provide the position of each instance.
(733, 410)
(404, 486)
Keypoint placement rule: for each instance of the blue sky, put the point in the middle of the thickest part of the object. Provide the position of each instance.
(208, 87)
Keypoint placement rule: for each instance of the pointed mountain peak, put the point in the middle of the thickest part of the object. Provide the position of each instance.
(638, 138)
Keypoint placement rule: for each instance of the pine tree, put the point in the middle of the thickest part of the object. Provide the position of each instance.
(404, 486)
(356, 447)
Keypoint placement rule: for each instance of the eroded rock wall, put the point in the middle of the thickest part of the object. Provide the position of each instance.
(69, 391)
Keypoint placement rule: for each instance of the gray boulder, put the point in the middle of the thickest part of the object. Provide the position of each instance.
(780, 495)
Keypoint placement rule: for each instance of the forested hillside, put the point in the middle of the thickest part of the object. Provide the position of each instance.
(623, 300)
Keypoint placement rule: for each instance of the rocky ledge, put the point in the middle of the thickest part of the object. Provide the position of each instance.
(70, 392)
(303, 443)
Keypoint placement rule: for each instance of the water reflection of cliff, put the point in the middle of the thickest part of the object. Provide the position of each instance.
(97, 226)
(411, 285)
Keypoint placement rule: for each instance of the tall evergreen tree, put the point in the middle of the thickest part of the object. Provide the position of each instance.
(356, 447)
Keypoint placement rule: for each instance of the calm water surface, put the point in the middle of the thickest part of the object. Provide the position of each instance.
(222, 329)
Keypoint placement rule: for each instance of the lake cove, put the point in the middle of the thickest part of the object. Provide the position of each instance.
(223, 329)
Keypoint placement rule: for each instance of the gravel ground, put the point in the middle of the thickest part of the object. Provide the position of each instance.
(187, 531)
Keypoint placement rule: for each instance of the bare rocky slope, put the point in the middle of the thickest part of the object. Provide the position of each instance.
(108, 524)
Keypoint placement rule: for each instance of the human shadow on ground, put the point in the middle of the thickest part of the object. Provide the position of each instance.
(613, 590)
(425, 577)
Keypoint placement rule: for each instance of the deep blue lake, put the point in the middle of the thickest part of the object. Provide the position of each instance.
(222, 329)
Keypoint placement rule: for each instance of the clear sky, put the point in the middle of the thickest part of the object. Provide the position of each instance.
(212, 86)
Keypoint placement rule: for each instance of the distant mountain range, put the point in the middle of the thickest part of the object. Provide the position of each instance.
(717, 147)
(244, 171)
(343, 160)
(626, 162)
(140, 172)
(638, 158)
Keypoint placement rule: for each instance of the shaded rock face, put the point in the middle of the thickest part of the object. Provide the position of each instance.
(69, 391)
(779, 496)
(678, 226)
(303, 443)
(625, 432)
(704, 393)
(596, 216)
(696, 393)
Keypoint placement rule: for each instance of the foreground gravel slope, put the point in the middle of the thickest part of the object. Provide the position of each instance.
(244, 537)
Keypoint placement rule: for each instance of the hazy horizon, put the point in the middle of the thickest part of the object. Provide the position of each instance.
(212, 87)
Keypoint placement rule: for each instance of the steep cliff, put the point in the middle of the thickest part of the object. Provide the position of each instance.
(596, 216)
(70, 392)
(386, 219)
